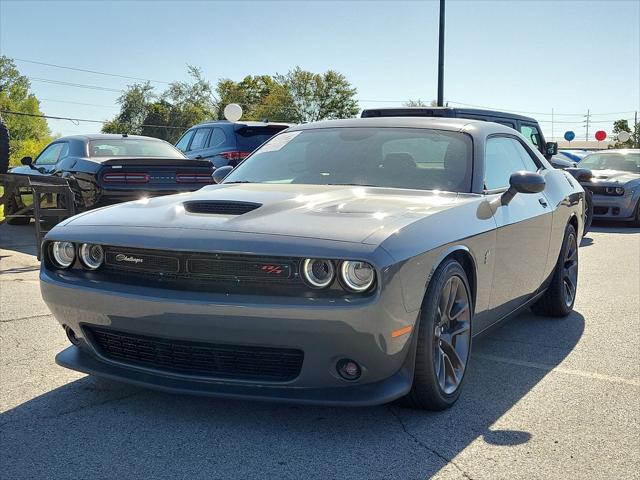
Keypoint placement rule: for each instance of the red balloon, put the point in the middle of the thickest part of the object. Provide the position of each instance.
(601, 135)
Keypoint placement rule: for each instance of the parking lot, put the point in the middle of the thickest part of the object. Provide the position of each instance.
(545, 398)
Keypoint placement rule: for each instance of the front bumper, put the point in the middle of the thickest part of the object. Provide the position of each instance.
(326, 330)
(611, 207)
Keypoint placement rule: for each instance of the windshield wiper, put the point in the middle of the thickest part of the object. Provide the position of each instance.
(240, 181)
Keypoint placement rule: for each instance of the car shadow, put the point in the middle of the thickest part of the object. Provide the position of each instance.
(602, 226)
(99, 428)
(18, 238)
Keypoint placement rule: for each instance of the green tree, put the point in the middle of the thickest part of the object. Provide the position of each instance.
(184, 104)
(166, 116)
(134, 108)
(29, 134)
(317, 96)
(416, 103)
(623, 126)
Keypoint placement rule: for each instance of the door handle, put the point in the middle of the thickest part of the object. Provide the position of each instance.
(543, 202)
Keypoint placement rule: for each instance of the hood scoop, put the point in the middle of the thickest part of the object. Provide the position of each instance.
(220, 207)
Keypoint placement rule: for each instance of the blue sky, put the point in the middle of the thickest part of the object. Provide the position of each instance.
(530, 56)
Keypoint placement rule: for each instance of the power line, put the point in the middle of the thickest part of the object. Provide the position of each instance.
(77, 85)
(76, 103)
(537, 113)
(90, 71)
(74, 120)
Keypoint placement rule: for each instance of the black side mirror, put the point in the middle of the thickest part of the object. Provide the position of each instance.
(552, 148)
(581, 174)
(522, 182)
(219, 174)
(26, 161)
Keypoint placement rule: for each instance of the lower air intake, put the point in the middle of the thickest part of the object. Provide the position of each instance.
(239, 362)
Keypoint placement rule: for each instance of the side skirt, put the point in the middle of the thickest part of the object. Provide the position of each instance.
(509, 316)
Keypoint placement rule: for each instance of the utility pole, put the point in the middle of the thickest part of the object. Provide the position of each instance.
(636, 134)
(441, 57)
(552, 136)
(587, 116)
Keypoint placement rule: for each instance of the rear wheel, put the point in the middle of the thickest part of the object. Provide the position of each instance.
(636, 220)
(444, 340)
(559, 298)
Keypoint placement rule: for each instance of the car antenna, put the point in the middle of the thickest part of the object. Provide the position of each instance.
(265, 120)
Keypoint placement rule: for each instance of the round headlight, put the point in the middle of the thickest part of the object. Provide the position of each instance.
(318, 272)
(357, 276)
(619, 190)
(91, 256)
(63, 254)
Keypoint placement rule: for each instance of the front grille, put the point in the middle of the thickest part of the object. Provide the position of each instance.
(240, 269)
(601, 190)
(219, 207)
(238, 362)
(124, 259)
(214, 272)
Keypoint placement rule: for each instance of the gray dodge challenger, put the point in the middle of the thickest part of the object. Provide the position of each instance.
(346, 262)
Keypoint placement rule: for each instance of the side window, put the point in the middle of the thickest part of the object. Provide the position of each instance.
(504, 156)
(50, 155)
(200, 139)
(64, 152)
(183, 143)
(531, 134)
(217, 137)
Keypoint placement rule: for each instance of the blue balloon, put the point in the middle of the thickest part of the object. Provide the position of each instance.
(569, 135)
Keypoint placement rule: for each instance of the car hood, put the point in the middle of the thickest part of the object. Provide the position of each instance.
(611, 177)
(341, 213)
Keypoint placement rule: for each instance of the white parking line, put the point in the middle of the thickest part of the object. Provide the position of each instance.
(551, 368)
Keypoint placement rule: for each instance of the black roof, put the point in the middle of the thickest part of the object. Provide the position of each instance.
(440, 112)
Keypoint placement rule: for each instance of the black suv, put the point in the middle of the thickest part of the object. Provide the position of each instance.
(527, 126)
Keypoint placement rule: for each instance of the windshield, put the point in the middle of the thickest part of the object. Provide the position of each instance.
(132, 147)
(382, 157)
(625, 162)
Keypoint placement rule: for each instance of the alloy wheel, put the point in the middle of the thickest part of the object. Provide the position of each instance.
(570, 270)
(452, 334)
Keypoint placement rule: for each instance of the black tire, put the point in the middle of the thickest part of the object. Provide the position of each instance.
(11, 206)
(558, 299)
(636, 220)
(435, 341)
(4, 147)
(588, 211)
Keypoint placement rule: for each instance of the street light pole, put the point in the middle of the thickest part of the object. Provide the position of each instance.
(441, 57)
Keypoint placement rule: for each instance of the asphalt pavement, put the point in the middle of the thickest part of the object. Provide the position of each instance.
(544, 399)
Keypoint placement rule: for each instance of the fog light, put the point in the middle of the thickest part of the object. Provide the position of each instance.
(348, 369)
(71, 335)
(619, 191)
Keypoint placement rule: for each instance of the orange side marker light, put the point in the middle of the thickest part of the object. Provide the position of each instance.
(401, 331)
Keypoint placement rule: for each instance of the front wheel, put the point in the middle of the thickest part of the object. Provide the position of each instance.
(444, 340)
(558, 299)
(588, 211)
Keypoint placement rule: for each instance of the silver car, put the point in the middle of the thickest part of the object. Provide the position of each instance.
(615, 184)
(347, 262)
